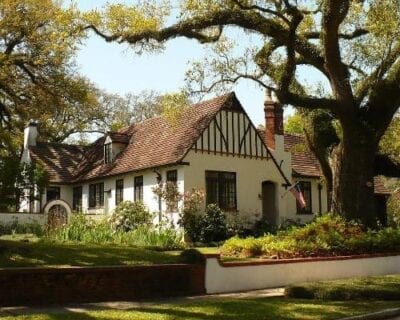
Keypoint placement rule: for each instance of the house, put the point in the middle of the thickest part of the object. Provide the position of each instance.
(213, 146)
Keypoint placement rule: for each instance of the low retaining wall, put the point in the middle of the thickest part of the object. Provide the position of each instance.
(22, 218)
(241, 276)
(91, 284)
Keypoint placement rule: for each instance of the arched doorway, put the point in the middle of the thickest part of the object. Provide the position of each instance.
(57, 213)
(269, 211)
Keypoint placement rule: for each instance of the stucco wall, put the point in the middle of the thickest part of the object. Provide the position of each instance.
(231, 277)
(23, 218)
(250, 173)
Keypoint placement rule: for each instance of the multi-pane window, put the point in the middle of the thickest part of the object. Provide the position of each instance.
(108, 153)
(172, 176)
(138, 188)
(96, 195)
(119, 191)
(77, 199)
(221, 189)
(305, 187)
(52, 193)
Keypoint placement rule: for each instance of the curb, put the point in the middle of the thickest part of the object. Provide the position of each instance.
(385, 314)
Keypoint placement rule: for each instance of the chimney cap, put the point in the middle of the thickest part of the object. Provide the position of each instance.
(268, 96)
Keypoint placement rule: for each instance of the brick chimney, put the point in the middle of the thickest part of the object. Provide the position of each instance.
(273, 120)
(30, 134)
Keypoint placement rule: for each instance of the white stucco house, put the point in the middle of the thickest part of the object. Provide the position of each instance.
(214, 146)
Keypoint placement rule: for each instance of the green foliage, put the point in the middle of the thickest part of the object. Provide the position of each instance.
(15, 227)
(192, 256)
(369, 288)
(129, 215)
(328, 235)
(10, 179)
(294, 124)
(82, 229)
(213, 225)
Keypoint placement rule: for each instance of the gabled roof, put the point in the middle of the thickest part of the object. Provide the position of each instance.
(59, 160)
(152, 143)
(304, 162)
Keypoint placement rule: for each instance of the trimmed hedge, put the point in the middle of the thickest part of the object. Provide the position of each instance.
(327, 235)
(366, 288)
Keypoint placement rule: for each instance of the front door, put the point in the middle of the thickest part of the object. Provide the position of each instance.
(269, 203)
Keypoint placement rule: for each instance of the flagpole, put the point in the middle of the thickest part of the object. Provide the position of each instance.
(288, 190)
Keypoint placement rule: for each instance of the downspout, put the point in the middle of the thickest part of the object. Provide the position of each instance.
(319, 198)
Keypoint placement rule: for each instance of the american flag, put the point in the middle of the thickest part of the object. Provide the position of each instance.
(296, 191)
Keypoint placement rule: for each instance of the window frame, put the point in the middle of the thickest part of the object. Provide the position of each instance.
(172, 176)
(77, 203)
(108, 153)
(138, 189)
(57, 193)
(96, 195)
(119, 191)
(306, 190)
(222, 198)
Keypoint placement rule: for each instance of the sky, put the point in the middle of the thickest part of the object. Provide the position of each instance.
(117, 69)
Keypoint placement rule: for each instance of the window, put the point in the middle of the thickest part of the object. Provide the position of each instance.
(221, 189)
(138, 188)
(52, 193)
(119, 191)
(96, 195)
(108, 153)
(172, 176)
(77, 199)
(305, 187)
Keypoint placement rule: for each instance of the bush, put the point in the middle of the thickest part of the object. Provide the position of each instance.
(367, 288)
(15, 227)
(192, 256)
(213, 226)
(129, 215)
(84, 230)
(327, 235)
(150, 237)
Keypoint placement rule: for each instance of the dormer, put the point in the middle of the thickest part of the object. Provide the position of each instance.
(114, 144)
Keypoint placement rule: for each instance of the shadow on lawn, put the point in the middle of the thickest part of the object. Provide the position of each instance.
(227, 309)
(21, 254)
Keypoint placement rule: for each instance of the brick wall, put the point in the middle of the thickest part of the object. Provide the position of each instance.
(42, 286)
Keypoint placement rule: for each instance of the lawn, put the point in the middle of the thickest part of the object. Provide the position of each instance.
(363, 288)
(28, 251)
(228, 309)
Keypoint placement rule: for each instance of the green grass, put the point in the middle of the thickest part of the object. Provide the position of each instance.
(365, 288)
(226, 309)
(29, 251)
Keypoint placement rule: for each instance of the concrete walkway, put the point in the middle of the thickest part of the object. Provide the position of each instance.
(126, 305)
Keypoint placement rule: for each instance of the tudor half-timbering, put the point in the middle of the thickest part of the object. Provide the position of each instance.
(213, 146)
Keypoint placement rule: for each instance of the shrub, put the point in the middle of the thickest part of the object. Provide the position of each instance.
(150, 237)
(192, 256)
(328, 235)
(129, 215)
(15, 227)
(213, 226)
(366, 288)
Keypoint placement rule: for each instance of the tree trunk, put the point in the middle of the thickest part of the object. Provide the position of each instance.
(353, 176)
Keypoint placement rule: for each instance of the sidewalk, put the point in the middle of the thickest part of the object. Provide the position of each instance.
(126, 305)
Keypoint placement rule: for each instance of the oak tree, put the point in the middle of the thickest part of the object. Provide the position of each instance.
(354, 45)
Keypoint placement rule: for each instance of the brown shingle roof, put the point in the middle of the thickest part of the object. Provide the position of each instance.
(151, 143)
(304, 162)
(379, 186)
(59, 160)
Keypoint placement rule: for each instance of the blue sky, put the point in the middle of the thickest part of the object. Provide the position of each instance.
(117, 69)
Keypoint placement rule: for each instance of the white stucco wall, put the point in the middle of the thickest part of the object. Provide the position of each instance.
(23, 218)
(244, 277)
(250, 173)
